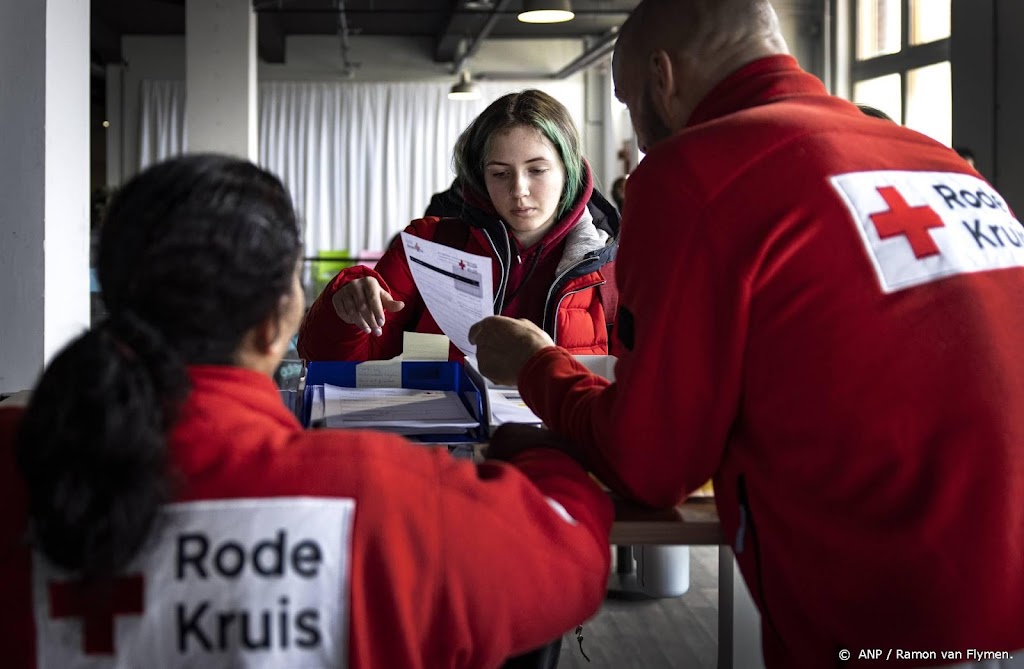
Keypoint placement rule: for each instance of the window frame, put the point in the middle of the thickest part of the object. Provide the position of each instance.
(909, 57)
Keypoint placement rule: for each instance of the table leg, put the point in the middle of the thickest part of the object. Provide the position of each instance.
(623, 560)
(725, 597)
(739, 623)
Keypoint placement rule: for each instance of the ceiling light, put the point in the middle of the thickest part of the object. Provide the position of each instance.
(546, 11)
(464, 88)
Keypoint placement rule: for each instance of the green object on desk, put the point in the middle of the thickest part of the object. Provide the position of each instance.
(324, 270)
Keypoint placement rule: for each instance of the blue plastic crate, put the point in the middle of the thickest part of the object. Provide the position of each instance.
(416, 375)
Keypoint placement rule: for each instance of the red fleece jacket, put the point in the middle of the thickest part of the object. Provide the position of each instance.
(822, 311)
(452, 564)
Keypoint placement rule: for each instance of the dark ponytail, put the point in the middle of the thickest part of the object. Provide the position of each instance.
(94, 452)
(194, 253)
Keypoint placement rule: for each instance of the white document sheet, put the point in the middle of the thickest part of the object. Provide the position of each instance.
(424, 346)
(507, 406)
(456, 286)
(379, 373)
(316, 407)
(439, 410)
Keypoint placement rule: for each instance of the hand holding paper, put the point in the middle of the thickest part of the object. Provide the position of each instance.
(362, 302)
(503, 345)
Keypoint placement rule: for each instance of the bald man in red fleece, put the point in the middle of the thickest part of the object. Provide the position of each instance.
(821, 311)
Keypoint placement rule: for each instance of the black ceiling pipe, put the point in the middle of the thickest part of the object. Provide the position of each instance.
(474, 46)
(588, 58)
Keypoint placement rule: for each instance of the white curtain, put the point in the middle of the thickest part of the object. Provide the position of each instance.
(161, 121)
(361, 159)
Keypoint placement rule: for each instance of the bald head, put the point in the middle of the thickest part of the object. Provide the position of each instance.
(682, 27)
(701, 41)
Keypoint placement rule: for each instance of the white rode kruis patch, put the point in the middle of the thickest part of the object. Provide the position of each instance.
(919, 227)
(241, 583)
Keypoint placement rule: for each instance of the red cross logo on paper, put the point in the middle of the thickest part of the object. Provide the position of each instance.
(73, 600)
(913, 223)
(462, 265)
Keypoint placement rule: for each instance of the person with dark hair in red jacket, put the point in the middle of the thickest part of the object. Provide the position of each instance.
(823, 312)
(162, 507)
(528, 202)
(446, 204)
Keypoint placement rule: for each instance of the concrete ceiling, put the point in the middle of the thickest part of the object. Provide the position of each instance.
(454, 25)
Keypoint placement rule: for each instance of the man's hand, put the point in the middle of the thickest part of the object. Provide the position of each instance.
(503, 345)
(362, 303)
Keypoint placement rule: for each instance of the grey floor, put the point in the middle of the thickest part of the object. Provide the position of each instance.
(655, 633)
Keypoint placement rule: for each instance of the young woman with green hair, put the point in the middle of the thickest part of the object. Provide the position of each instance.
(529, 203)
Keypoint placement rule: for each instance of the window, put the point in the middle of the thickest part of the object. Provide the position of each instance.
(879, 26)
(901, 62)
(929, 21)
(883, 93)
(929, 103)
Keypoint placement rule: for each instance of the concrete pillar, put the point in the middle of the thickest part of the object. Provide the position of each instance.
(595, 128)
(220, 77)
(838, 45)
(802, 23)
(115, 131)
(44, 170)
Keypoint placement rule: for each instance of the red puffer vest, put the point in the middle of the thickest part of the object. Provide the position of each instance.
(578, 311)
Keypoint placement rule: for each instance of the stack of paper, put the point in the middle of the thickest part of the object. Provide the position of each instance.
(402, 410)
(507, 406)
(504, 404)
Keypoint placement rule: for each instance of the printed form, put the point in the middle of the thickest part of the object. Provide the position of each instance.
(430, 410)
(456, 286)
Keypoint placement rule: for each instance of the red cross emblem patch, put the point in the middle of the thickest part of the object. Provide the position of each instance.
(913, 223)
(74, 600)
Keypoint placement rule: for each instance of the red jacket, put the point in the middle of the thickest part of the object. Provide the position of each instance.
(574, 311)
(452, 565)
(829, 325)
